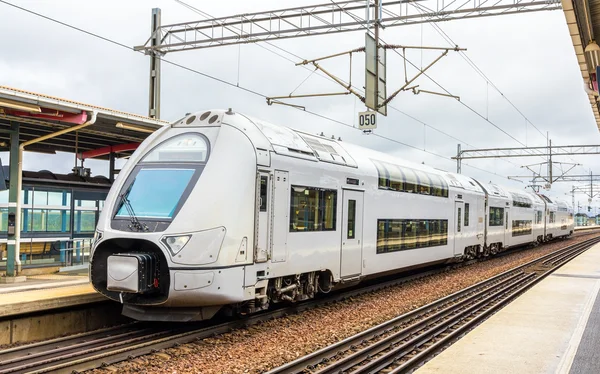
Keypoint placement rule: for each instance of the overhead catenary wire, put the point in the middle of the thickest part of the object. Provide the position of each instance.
(319, 74)
(474, 66)
(245, 89)
(207, 15)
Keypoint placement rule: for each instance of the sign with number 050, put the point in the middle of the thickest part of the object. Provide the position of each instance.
(367, 120)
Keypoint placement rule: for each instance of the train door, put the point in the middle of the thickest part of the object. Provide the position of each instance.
(507, 228)
(459, 209)
(263, 222)
(280, 213)
(351, 233)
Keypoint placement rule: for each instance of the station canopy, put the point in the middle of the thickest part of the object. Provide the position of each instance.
(37, 115)
(583, 20)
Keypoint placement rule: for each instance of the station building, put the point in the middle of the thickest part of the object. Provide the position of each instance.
(48, 220)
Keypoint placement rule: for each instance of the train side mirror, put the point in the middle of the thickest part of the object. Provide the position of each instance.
(11, 224)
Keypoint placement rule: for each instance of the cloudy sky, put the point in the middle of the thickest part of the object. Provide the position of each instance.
(528, 57)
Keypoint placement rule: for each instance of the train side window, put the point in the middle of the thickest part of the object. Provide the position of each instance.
(406, 234)
(466, 214)
(384, 176)
(396, 181)
(521, 227)
(496, 216)
(312, 209)
(351, 219)
(459, 218)
(410, 181)
(404, 179)
(264, 180)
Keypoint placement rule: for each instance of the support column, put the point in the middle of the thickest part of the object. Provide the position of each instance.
(154, 92)
(13, 262)
(111, 167)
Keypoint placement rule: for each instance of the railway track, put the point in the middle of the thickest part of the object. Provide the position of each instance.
(404, 343)
(105, 347)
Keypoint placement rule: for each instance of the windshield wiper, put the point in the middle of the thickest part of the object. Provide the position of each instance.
(135, 222)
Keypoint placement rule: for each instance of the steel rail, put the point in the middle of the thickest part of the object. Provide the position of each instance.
(344, 355)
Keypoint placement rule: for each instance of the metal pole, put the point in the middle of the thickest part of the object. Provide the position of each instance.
(550, 162)
(13, 263)
(458, 159)
(376, 26)
(154, 92)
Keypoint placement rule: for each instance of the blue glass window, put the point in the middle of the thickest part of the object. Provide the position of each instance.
(150, 183)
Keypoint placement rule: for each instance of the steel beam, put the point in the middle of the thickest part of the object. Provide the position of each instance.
(555, 150)
(321, 19)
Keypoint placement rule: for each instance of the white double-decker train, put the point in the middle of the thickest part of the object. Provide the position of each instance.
(220, 211)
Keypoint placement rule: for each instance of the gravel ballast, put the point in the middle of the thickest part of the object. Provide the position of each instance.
(270, 344)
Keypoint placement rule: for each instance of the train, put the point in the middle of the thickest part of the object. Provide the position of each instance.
(221, 212)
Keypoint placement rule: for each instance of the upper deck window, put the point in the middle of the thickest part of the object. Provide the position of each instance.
(404, 179)
(187, 147)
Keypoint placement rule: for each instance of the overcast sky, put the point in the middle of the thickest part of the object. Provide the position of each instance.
(529, 57)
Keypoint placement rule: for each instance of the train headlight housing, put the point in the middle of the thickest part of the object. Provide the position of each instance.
(176, 243)
(97, 237)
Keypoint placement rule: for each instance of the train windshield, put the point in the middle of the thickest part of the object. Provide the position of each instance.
(155, 192)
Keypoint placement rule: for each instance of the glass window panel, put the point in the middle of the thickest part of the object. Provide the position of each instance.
(3, 219)
(384, 178)
(466, 214)
(424, 186)
(4, 197)
(328, 202)
(85, 221)
(149, 183)
(400, 234)
(458, 220)
(422, 234)
(263, 193)
(382, 236)
(86, 203)
(56, 198)
(405, 179)
(521, 227)
(39, 220)
(39, 198)
(67, 220)
(410, 181)
(439, 186)
(312, 209)
(351, 219)
(396, 178)
(496, 217)
(55, 220)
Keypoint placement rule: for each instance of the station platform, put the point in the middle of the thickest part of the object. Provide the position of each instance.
(46, 292)
(552, 328)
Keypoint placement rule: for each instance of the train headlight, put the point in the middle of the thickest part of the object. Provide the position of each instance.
(97, 237)
(176, 243)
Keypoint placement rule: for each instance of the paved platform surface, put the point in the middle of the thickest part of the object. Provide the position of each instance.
(45, 292)
(552, 328)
